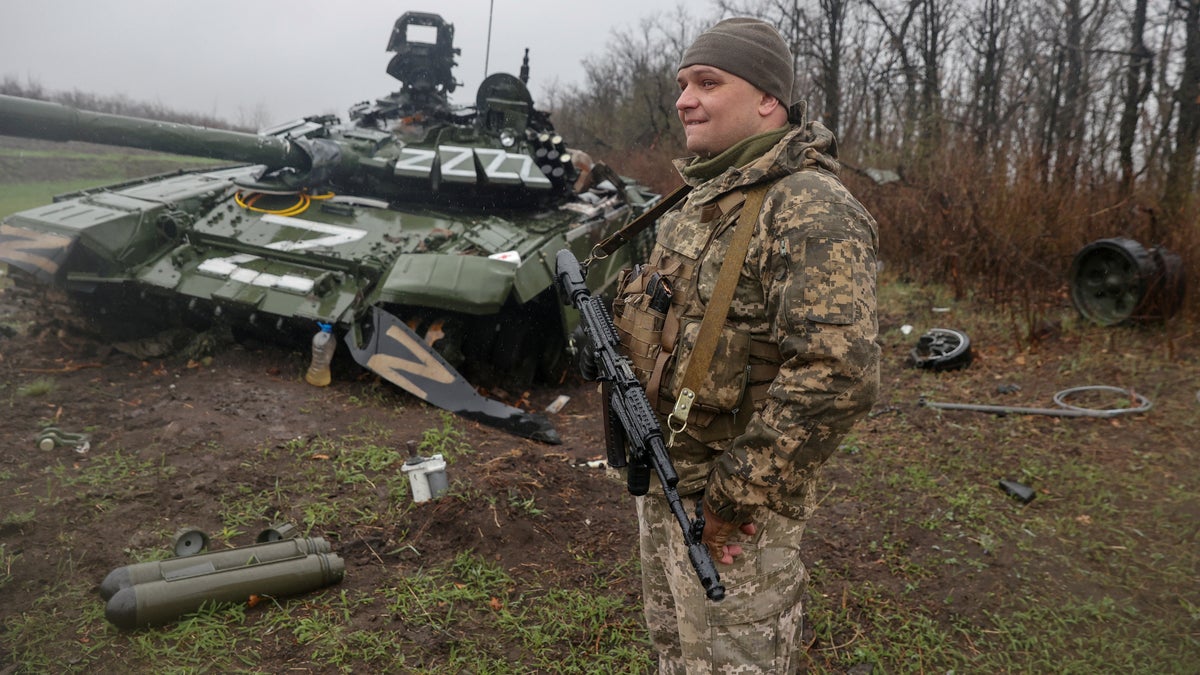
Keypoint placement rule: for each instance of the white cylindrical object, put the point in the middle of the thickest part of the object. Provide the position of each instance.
(426, 477)
(438, 482)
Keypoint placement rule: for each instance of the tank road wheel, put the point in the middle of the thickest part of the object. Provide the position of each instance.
(554, 362)
(516, 353)
(445, 335)
(1109, 279)
(941, 349)
(529, 345)
(1164, 295)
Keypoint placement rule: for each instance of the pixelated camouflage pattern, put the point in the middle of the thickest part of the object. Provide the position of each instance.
(807, 286)
(755, 629)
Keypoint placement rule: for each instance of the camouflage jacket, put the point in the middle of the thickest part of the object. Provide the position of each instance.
(797, 363)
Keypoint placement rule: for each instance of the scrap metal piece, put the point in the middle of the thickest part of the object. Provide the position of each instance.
(394, 352)
(557, 404)
(213, 561)
(1022, 492)
(426, 477)
(53, 437)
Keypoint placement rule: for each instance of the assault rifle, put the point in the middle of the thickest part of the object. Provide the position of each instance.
(629, 419)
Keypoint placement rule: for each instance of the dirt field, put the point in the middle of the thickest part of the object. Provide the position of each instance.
(213, 425)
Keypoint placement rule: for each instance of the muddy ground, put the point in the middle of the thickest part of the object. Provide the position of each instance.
(210, 420)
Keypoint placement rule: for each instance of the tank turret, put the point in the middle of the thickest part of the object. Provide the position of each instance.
(411, 145)
(423, 232)
(482, 161)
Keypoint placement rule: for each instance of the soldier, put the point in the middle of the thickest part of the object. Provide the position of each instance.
(795, 364)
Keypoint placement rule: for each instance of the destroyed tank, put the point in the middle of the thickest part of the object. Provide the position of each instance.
(424, 233)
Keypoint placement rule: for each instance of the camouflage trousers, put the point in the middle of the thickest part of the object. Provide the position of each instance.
(755, 629)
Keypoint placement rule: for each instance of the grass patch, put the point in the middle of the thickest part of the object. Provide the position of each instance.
(446, 440)
(576, 630)
(74, 167)
(39, 387)
(17, 519)
(6, 564)
(21, 196)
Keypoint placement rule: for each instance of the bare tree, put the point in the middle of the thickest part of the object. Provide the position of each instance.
(989, 42)
(1181, 165)
(830, 34)
(1067, 128)
(1071, 34)
(1161, 101)
(1139, 73)
(919, 36)
(862, 120)
(628, 97)
(935, 27)
(901, 62)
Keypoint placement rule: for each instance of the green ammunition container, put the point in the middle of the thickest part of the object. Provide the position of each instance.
(216, 561)
(161, 601)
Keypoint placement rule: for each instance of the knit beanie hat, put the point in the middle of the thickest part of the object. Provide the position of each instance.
(751, 49)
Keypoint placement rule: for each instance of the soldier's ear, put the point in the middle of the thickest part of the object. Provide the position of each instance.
(768, 104)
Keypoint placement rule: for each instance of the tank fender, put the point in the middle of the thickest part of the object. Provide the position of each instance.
(40, 254)
(460, 283)
(536, 274)
(384, 345)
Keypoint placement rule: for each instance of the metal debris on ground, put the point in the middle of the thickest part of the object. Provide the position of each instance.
(276, 532)
(1022, 492)
(557, 404)
(53, 437)
(941, 349)
(161, 591)
(1117, 280)
(1064, 409)
(189, 541)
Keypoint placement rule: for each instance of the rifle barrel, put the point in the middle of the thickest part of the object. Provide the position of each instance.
(628, 406)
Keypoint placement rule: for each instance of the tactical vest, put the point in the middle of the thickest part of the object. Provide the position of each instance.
(659, 340)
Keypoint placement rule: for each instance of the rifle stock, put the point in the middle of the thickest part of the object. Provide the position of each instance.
(630, 421)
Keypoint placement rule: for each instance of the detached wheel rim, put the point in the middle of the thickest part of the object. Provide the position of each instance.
(942, 349)
(1109, 278)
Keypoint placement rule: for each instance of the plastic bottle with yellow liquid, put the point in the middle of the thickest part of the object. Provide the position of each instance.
(323, 346)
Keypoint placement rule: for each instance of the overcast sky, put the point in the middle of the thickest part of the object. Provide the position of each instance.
(271, 61)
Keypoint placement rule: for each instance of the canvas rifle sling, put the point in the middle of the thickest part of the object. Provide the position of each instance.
(717, 310)
(622, 236)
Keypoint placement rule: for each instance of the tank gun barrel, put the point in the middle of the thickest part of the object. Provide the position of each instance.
(56, 122)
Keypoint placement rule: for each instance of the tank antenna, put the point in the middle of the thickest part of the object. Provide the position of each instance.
(488, 53)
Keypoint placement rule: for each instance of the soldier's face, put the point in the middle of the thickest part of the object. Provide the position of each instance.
(718, 109)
